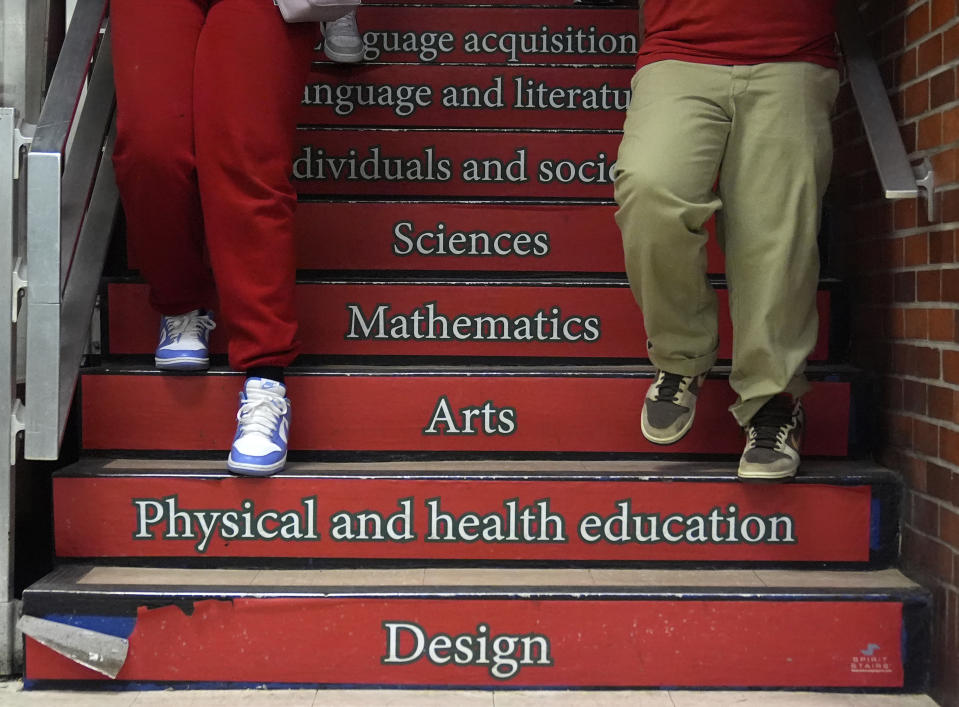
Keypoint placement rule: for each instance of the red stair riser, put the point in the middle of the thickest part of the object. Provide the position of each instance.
(352, 236)
(442, 163)
(604, 322)
(495, 97)
(488, 35)
(363, 236)
(349, 412)
(589, 642)
(791, 523)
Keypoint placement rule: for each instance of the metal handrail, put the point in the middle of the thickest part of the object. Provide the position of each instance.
(71, 204)
(899, 179)
(69, 77)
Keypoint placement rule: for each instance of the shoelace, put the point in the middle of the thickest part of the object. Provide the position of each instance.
(669, 386)
(344, 25)
(189, 323)
(771, 424)
(261, 414)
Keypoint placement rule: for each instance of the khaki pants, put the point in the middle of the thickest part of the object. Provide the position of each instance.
(764, 132)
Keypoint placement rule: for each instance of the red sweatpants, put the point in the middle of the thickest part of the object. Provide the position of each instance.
(207, 97)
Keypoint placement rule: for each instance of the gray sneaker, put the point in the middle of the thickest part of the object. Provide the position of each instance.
(773, 440)
(341, 39)
(670, 406)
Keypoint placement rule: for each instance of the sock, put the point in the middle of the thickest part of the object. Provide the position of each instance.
(274, 373)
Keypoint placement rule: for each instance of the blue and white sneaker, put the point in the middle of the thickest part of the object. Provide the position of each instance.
(263, 429)
(185, 341)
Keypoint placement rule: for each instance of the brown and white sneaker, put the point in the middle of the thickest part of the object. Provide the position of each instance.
(670, 406)
(773, 440)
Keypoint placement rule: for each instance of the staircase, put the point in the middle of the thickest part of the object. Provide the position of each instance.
(470, 502)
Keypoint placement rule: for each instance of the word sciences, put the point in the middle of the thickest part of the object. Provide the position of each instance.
(502, 654)
(534, 523)
(405, 99)
(585, 43)
(426, 324)
(440, 241)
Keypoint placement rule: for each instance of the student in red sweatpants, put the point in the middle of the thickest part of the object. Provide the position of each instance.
(207, 98)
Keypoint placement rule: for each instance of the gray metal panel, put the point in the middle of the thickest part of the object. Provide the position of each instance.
(43, 381)
(882, 132)
(71, 205)
(44, 35)
(47, 158)
(43, 225)
(29, 31)
(8, 252)
(58, 331)
(13, 51)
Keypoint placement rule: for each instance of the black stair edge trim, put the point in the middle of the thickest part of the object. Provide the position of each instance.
(558, 62)
(374, 456)
(393, 455)
(483, 200)
(309, 362)
(839, 373)
(92, 686)
(887, 500)
(917, 646)
(473, 278)
(842, 473)
(863, 430)
(454, 199)
(462, 278)
(535, 61)
(124, 600)
(519, 130)
(838, 327)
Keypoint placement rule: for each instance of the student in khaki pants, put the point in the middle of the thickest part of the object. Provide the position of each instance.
(730, 115)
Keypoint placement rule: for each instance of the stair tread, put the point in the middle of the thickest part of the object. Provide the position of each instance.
(419, 580)
(11, 694)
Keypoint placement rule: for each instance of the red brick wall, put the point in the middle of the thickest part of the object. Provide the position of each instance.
(904, 275)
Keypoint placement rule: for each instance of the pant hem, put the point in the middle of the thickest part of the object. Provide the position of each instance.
(743, 410)
(684, 366)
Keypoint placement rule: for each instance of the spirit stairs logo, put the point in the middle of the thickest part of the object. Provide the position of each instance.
(871, 659)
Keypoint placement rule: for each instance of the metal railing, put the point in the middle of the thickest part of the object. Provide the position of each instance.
(899, 179)
(11, 143)
(71, 205)
(34, 32)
